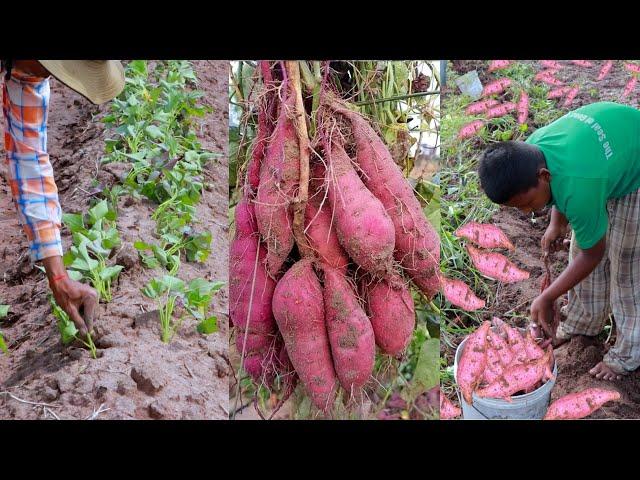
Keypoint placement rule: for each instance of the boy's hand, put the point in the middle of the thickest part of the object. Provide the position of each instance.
(542, 314)
(75, 298)
(553, 238)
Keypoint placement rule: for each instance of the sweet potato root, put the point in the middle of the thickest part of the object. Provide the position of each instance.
(417, 245)
(351, 335)
(459, 294)
(481, 106)
(473, 361)
(390, 308)
(604, 71)
(498, 65)
(470, 129)
(501, 110)
(571, 96)
(496, 266)
(447, 409)
(298, 307)
(484, 235)
(364, 228)
(523, 107)
(580, 404)
(279, 179)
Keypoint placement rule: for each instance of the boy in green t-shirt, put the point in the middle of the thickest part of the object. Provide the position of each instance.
(586, 165)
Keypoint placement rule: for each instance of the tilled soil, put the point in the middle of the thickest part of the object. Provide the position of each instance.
(512, 301)
(136, 375)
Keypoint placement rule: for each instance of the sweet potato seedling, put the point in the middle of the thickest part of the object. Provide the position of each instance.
(68, 330)
(194, 298)
(94, 237)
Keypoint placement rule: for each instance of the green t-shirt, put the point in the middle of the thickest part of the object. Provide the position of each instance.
(593, 154)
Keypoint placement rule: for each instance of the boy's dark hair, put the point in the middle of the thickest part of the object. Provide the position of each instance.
(509, 168)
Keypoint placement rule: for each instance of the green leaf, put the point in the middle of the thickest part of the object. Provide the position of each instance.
(173, 284)
(154, 132)
(99, 211)
(74, 222)
(208, 325)
(4, 310)
(427, 375)
(75, 275)
(154, 288)
(3, 346)
(110, 273)
(140, 245)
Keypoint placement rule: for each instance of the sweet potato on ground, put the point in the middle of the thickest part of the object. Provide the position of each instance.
(496, 266)
(459, 294)
(417, 244)
(364, 228)
(484, 235)
(353, 345)
(298, 307)
(580, 404)
(390, 308)
(470, 129)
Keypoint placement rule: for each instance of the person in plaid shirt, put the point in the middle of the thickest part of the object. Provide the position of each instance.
(30, 175)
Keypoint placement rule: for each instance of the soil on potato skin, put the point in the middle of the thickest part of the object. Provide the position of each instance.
(578, 356)
(136, 375)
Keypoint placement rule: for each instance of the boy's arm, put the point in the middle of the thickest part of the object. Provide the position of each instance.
(579, 268)
(556, 230)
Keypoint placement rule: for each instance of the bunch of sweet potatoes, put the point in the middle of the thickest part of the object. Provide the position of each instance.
(325, 247)
(498, 361)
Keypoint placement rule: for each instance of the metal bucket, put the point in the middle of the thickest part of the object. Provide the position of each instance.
(530, 406)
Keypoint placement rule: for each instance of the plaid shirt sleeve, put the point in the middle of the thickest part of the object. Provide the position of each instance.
(25, 106)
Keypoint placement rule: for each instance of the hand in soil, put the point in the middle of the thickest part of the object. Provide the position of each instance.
(602, 372)
(74, 298)
(542, 314)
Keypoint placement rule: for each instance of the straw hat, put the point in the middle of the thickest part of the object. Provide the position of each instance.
(97, 80)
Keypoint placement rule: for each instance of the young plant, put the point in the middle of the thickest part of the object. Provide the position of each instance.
(195, 298)
(68, 330)
(94, 237)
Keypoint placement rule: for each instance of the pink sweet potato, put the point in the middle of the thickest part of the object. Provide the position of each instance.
(548, 77)
(390, 308)
(417, 244)
(515, 340)
(470, 129)
(604, 71)
(582, 63)
(632, 67)
(480, 107)
(484, 235)
(552, 64)
(498, 65)
(320, 228)
(298, 307)
(501, 347)
(580, 404)
(517, 378)
(364, 228)
(558, 92)
(266, 114)
(353, 345)
(459, 294)
(495, 87)
(631, 84)
(495, 367)
(473, 362)
(523, 107)
(279, 179)
(570, 96)
(533, 350)
(447, 409)
(501, 110)
(496, 266)
(250, 287)
(259, 354)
